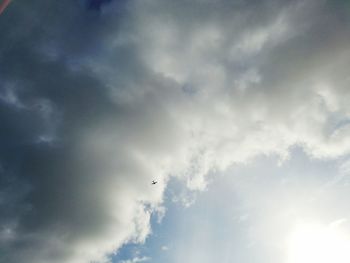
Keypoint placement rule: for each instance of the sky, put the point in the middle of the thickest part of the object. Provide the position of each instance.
(238, 109)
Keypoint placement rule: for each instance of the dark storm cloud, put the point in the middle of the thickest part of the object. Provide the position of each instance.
(96, 4)
(53, 193)
(94, 107)
(76, 157)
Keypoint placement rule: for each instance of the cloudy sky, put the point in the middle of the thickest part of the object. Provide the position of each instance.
(239, 109)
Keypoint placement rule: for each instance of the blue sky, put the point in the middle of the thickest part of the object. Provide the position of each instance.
(238, 109)
(232, 220)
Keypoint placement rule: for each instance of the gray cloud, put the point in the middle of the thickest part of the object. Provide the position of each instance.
(95, 105)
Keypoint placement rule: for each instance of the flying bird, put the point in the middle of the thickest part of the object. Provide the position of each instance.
(3, 5)
(154, 182)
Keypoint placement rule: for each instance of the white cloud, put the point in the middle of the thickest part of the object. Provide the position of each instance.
(164, 248)
(136, 260)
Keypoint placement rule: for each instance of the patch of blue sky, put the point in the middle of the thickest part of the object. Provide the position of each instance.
(244, 215)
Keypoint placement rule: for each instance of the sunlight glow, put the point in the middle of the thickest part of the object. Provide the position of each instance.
(316, 243)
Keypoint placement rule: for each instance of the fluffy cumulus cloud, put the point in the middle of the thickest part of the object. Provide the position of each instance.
(98, 98)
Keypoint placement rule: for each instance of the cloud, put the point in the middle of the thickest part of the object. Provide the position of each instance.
(136, 259)
(164, 248)
(96, 4)
(95, 107)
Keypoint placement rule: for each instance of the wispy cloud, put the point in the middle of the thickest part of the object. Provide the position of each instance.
(136, 260)
(164, 248)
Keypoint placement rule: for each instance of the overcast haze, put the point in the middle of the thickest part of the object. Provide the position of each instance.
(238, 109)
